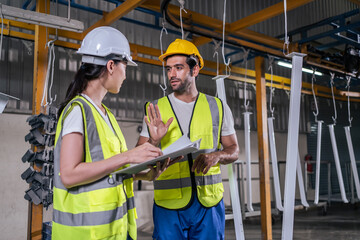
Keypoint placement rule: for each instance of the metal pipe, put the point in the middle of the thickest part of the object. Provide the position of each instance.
(352, 160)
(274, 163)
(301, 182)
(248, 160)
(337, 163)
(292, 145)
(318, 159)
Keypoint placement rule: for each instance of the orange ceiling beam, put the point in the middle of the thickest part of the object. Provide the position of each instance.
(215, 24)
(115, 14)
(357, 2)
(266, 13)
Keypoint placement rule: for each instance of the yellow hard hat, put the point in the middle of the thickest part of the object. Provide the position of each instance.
(184, 47)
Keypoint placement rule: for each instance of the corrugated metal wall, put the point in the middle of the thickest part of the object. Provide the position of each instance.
(142, 83)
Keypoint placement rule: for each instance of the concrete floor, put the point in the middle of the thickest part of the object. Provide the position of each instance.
(341, 222)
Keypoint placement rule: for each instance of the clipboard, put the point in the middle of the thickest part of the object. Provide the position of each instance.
(181, 147)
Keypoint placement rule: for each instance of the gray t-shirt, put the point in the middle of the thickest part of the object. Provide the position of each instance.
(183, 111)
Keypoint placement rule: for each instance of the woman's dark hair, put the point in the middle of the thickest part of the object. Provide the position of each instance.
(86, 73)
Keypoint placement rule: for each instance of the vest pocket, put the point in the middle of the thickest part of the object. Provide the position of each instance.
(114, 145)
(106, 199)
(168, 194)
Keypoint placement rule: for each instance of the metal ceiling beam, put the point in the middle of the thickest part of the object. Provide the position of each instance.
(325, 21)
(330, 33)
(237, 72)
(198, 41)
(115, 14)
(265, 14)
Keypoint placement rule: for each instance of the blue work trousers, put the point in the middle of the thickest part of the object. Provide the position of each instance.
(195, 222)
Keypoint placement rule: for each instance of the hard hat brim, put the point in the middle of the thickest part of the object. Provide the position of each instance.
(165, 55)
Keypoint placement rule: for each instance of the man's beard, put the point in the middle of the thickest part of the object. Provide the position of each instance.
(182, 87)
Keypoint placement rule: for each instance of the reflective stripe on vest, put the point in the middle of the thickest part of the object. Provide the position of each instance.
(105, 207)
(173, 189)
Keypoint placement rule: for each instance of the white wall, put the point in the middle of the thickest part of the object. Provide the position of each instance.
(14, 208)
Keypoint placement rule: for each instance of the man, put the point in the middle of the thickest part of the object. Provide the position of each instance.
(189, 194)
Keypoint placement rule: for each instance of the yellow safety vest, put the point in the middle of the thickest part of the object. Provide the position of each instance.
(105, 208)
(175, 187)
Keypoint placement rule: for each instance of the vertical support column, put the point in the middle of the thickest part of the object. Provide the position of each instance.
(263, 148)
(35, 214)
(292, 146)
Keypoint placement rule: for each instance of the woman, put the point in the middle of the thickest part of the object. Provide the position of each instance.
(90, 203)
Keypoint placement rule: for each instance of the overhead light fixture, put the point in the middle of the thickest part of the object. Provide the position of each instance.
(289, 65)
(42, 19)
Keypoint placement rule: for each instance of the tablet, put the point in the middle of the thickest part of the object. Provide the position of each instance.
(181, 147)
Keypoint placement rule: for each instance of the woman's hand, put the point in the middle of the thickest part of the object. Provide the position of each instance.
(142, 153)
(157, 129)
(155, 171)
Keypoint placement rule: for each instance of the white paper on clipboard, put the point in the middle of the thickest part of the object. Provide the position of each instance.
(181, 147)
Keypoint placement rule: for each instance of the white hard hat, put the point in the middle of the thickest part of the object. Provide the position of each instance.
(103, 44)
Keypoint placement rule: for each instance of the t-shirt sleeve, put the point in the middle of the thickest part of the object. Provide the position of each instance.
(144, 131)
(73, 122)
(228, 122)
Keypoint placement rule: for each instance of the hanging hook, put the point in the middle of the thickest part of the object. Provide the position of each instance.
(69, 8)
(182, 3)
(52, 75)
(227, 63)
(348, 78)
(313, 79)
(333, 97)
(272, 90)
(286, 38)
(216, 47)
(163, 88)
(2, 30)
(246, 54)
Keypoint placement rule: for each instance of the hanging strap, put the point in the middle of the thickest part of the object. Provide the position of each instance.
(272, 90)
(333, 97)
(348, 78)
(216, 47)
(163, 88)
(182, 3)
(286, 38)
(246, 54)
(313, 79)
(227, 63)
